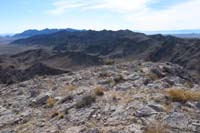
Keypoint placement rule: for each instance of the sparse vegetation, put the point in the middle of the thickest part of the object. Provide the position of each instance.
(114, 95)
(61, 115)
(99, 91)
(50, 102)
(181, 95)
(85, 101)
(54, 114)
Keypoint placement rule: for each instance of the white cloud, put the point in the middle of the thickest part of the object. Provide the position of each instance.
(138, 14)
(62, 5)
(121, 6)
(182, 16)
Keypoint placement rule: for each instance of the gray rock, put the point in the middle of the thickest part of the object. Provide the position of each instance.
(177, 120)
(40, 100)
(124, 86)
(93, 131)
(33, 93)
(156, 107)
(145, 112)
(198, 105)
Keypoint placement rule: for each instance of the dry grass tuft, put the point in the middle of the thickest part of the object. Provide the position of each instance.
(99, 91)
(61, 115)
(54, 114)
(180, 95)
(50, 102)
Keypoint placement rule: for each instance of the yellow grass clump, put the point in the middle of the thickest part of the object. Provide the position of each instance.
(61, 115)
(99, 91)
(181, 95)
(51, 102)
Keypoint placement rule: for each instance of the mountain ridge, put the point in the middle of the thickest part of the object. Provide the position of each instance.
(124, 44)
(34, 32)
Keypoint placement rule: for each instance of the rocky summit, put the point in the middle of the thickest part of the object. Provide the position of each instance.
(127, 97)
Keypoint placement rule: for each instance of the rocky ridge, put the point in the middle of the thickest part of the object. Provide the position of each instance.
(128, 97)
(125, 45)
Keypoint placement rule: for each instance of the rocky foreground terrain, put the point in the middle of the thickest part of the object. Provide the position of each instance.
(129, 97)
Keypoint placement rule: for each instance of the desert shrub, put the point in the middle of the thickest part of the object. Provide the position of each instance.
(61, 115)
(99, 91)
(180, 95)
(50, 102)
(85, 101)
(54, 114)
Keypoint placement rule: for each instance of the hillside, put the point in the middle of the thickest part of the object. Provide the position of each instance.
(124, 45)
(26, 65)
(137, 97)
(101, 82)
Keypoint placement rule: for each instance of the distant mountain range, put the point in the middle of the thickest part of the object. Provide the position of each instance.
(29, 33)
(75, 49)
(122, 44)
(194, 35)
(177, 33)
(171, 32)
(34, 32)
(7, 38)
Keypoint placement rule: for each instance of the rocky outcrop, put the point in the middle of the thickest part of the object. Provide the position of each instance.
(12, 75)
(134, 99)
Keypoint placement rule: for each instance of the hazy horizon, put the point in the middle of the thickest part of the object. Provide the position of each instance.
(136, 15)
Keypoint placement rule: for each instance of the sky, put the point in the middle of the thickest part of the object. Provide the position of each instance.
(136, 15)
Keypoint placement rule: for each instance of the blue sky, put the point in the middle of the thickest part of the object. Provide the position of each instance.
(143, 15)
